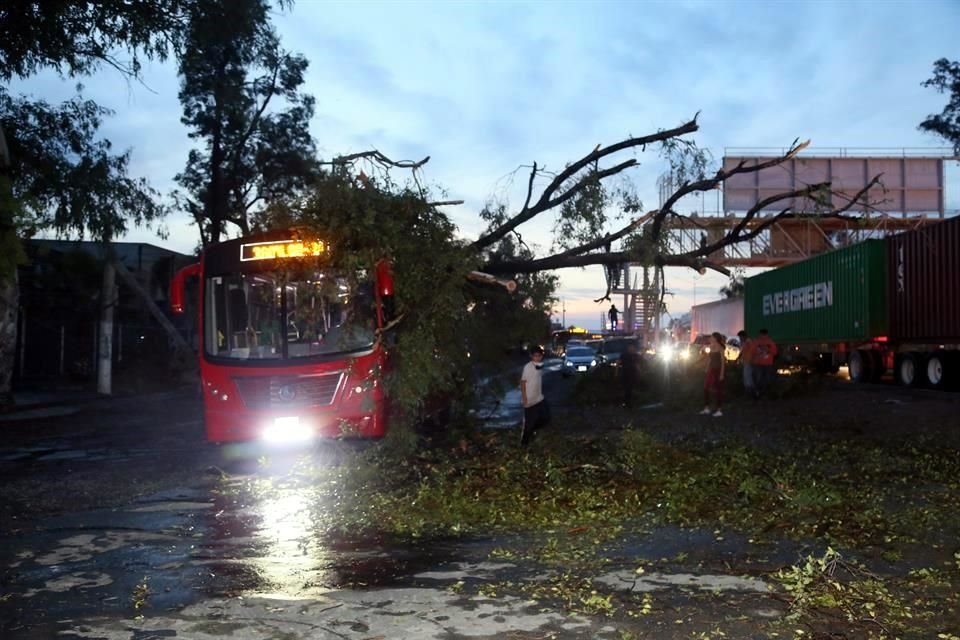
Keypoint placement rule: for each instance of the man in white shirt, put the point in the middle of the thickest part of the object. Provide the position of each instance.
(536, 412)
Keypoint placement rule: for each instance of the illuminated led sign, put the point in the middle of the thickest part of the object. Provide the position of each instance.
(281, 249)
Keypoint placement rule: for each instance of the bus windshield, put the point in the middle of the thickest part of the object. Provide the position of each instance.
(283, 315)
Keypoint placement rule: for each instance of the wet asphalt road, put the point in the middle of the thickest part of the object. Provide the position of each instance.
(180, 546)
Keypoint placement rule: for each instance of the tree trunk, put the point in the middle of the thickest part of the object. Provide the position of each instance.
(9, 300)
(108, 302)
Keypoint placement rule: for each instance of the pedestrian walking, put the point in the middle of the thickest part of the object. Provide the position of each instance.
(536, 411)
(747, 347)
(713, 381)
(764, 352)
(614, 314)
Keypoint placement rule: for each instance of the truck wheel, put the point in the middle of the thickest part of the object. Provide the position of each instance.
(860, 366)
(908, 369)
(938, 370)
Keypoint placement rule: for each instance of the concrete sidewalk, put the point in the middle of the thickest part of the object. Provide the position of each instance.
(45, 404)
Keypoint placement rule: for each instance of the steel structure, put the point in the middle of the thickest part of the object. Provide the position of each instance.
(913, 195)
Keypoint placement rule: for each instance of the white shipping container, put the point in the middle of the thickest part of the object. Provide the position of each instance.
(725, 316)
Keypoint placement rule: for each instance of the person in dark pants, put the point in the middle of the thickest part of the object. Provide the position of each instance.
(536, 411)
(629, 373)
(747, 347)
(614, 315)
(713, 383)
(764, 351)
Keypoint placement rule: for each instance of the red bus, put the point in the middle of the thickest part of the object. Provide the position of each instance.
(288, 342)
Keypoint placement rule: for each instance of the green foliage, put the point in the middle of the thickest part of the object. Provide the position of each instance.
(11, 246)
(575, 497)
(451, 331)
(66, 179)
(366, 224)
(946, 124)
(76, 38)
(584, 216)
(735, 287)
(241, 98)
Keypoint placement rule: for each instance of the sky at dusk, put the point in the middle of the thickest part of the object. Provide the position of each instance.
(484, 87)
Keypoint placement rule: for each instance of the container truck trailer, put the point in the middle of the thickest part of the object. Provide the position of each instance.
(877, 306)
(725, 316)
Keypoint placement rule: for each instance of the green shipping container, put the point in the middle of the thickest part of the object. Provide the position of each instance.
(834, 297)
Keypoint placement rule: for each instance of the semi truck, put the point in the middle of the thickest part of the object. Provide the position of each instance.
(725, 316)
(884, 305)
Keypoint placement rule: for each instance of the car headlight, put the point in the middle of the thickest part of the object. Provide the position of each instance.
(568, 363)
(685, 355)
(666, 352)
(593, 362)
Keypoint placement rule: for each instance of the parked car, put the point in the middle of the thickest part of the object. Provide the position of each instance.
(580, 359)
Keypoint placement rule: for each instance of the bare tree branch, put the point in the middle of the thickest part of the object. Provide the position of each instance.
(696, 259)
(548, 198)
(609, 238)
(736, 234)
(718, 178)
(376, 156)
(533, 175)
(611, 258)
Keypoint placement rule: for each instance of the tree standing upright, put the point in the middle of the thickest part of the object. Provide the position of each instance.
(241, 100)
(946, 124)
(53, 150)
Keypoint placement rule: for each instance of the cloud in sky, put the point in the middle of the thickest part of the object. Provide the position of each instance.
(483, 87)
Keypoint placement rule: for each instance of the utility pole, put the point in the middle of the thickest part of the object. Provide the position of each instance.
(563, 311)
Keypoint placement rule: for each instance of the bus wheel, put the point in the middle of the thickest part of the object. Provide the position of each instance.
(860, 366)
(905, 369)
(938, 370)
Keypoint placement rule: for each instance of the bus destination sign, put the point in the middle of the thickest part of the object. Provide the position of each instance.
(281, 249)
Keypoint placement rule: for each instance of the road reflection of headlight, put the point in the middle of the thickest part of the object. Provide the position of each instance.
(286, 528)
(287, 430)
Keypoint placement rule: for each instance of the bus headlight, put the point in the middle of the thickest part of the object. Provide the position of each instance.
(286, 430)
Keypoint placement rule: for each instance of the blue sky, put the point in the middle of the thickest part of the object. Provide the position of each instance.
(483, 87)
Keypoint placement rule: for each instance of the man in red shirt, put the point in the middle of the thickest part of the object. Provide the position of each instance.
(764, 352)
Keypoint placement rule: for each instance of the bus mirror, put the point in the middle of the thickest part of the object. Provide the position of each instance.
(178, 286)
(384, 280)
(385, 292)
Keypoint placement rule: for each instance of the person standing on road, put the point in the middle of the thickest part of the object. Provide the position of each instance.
(764, 351)
(536, 411)
(713, 383)
(614, 314)
(629, 373)
(747, 347)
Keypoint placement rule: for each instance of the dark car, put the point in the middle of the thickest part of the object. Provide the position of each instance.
(613, 348)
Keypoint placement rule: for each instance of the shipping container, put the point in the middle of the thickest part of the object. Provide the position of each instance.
(725, 316)
(924, 284)
(839, 296)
